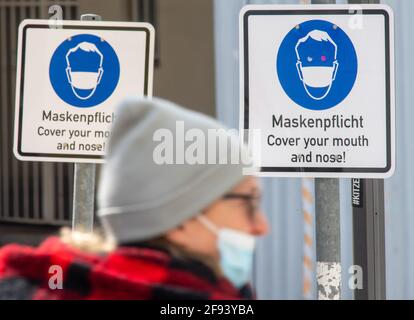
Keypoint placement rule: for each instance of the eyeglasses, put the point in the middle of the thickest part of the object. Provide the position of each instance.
(252, 201)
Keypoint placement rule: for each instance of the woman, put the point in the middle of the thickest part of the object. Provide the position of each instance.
(172, 229)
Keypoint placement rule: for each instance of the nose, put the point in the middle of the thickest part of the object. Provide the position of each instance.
(260, 226)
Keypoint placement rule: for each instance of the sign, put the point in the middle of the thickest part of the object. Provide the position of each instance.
(70, 81)
(357, 193)
(317, 85)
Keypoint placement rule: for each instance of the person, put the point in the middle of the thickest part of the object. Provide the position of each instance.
(172, 230)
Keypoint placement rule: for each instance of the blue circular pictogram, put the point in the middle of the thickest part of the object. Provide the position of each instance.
(317, 65)
(84, 70)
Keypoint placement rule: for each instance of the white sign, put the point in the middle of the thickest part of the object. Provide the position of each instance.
(317, 83)
(70, 81)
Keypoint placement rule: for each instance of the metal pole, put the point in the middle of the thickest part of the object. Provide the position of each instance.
(84, 183)
(328, 239)
(369, 230)
(369, 237)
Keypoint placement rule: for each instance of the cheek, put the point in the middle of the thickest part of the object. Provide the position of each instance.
(234, 218)
(201, 239)
(230, 214)
(205, 245)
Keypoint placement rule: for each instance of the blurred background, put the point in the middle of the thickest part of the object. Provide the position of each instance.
(197, 66)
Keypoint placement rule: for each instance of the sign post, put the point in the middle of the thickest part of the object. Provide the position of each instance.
(328, 231)
(369, 237)
(319, 88)
(369, 230)
(84, 182)
(69, 83)
(328, 239)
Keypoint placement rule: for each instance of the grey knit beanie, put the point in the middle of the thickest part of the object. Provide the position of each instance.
(139, 199)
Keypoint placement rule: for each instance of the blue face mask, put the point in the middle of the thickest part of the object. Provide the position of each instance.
(236, 253)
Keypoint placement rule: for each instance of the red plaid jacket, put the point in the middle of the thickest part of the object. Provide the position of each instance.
(127, 273)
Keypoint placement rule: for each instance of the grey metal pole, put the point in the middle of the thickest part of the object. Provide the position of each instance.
(328, 239)
(369, 230)
(369, 237)
(83, 197)
(84, 184)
